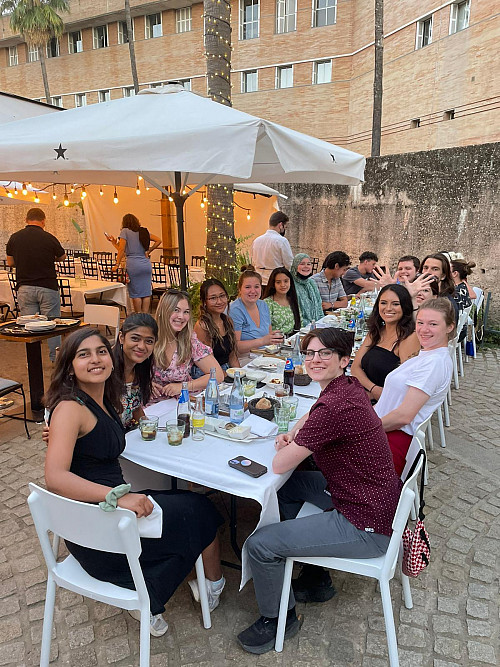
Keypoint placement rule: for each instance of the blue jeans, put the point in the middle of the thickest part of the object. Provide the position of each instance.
(33, 300)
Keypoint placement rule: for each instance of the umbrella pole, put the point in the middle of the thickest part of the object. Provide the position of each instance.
(179, 200)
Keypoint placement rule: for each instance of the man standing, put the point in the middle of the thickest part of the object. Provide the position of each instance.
(33, 252)
(272, 249)
(329, 280)
(357, 279)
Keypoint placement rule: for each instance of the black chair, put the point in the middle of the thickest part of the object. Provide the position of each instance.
(315, 264)
(65, 294)
(105, 266)
(5, 309)
(198, 260)
(81, 254)
(102, 255)
(90, 268)
(13, 288)
(66, 267)
(3, 265)
(170, 259)
(174, 275)
(69, 252)
(12, 387)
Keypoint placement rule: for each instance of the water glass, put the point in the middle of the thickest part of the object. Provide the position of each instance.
(148, 427)
(282, 417)
(282, 390)
(175, 432)
(291, 402)
(249, 387)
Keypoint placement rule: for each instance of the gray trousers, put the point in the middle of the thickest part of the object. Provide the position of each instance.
(33, 300)
(325, 534)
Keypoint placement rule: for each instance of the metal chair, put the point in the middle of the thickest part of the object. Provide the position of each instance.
(159, 279)
(12, 387)
(66, 267)
(198, 260)
(88, 526)
(5, 309)
(13, 288)
(65, 294)
(174, 275)
(381, 568)
(90, 268)
(169, 259)
(315, 264)
(102, 255)
(3, 265)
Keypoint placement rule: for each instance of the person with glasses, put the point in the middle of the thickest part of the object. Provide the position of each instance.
(355, 484)
(214, 328)
(178, 349)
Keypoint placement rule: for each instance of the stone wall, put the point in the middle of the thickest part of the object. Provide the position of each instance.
(414, 203)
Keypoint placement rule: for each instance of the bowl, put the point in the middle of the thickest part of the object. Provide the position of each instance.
(232, 371)
(274, 382)
(301, 380)
(258, 376)
(266, 413)
(239, 432)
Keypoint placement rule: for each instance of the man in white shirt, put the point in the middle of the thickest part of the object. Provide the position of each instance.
(272, 249)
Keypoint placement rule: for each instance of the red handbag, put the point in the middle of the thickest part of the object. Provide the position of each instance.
(416, 543)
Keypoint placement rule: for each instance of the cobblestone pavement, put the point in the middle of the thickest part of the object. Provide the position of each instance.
(455, 619)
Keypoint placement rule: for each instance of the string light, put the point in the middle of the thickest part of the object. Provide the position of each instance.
(15, 190)
(25, 189)
(66, 200)
(84, 193)
(100, 191)
(137, 189)
(9, 193)
(72, 189)
(139, 177)
(115, 197)
(54, 196)
(36, 199)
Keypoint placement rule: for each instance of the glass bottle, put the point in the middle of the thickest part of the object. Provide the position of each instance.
(237, 401)
(212, 398)
(184, 409)
(198, 420)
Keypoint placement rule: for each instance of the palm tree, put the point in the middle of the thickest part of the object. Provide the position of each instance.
(36, 21)
(131, 46)
(221, 243)
(378, 75)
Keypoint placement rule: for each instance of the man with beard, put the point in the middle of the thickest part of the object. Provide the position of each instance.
(272, 249)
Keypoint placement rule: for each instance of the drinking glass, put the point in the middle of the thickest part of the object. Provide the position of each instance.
(292, 403)
(282, 390)
(175, 432)
(148, 427)
(282, 417)
(249, 386)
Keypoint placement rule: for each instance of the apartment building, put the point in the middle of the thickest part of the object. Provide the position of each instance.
(307, 64)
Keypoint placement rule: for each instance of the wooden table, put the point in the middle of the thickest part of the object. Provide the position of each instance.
(33, 342)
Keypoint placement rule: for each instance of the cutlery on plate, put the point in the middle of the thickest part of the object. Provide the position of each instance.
(314, 398)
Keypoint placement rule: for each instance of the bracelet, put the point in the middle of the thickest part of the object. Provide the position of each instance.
(370, 390)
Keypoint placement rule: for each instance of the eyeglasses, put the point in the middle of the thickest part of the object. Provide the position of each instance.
(176, 292)
(325, 353)
(218, 297)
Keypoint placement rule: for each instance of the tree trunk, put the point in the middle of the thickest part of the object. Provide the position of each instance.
(131, 46)
(221, 243)
(44, 74)
(378, 78)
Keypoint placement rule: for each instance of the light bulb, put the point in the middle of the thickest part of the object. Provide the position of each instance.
(72, 188)
(36, 199)
(9, 194)
(100, 191)
(248, 216)
(66, 201)
(115, 197)
(202, 205)
(170, 199)
(84, 192)
(15, 191)
(25, 189)
(137, 189)
(54, 196)
(140, 178)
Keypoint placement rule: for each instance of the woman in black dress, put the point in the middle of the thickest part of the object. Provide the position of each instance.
(86, 439)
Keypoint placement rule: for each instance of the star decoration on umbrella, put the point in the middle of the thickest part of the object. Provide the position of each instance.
(60, 152)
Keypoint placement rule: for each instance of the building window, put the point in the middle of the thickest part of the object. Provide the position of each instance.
(459, 16)
(284, 76)
(128, 91)
(183, 19)
(186, 83)
(80, 100)
(123, 32)
(13, 59)
(324, 13)
(100, 34)
(286, 15)
(249, 19)
(57, 101)
(322, 71)
(424, 32)
(53, 48)
(103, 96)
(249, 81)
(153, 26)
(415, 122)
(449, 114)
(75, 42)
(33, 54)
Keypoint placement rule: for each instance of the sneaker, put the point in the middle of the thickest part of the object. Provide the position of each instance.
(261, 636)
(157, 624)
(313, 585)
(213, 591)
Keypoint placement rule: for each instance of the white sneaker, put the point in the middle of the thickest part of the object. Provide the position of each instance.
(213, 592)
(157, 624)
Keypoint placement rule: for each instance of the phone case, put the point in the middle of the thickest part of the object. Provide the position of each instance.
(247, 466)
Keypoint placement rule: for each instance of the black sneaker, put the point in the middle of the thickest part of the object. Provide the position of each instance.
(261, 636)
(313, 585)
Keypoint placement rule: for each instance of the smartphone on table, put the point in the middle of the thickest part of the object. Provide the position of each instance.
(247, 466)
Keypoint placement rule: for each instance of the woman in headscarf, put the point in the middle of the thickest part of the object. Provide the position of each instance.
(307, 290)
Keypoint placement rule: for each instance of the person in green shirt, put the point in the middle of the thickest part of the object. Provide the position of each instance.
(281, 298)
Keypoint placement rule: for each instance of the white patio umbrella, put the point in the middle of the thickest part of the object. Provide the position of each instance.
(170, 137)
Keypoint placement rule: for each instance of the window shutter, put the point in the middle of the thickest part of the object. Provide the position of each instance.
(453, 20)
(420, 34)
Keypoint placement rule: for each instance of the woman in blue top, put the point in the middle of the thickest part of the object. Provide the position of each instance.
(252, 321)
(134, 242)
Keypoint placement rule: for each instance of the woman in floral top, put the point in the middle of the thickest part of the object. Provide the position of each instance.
(178, 348)
(281, 298)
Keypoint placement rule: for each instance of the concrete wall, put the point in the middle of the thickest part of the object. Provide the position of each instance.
(414, 203)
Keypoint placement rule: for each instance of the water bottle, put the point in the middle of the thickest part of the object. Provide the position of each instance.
(184, 409)
(212, 398)
(236, 401)
(198, 420)
(296, 353)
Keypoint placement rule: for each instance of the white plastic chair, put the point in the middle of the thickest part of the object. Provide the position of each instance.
(108, 316)
(453, 345)
(381, 568)
(114, 532)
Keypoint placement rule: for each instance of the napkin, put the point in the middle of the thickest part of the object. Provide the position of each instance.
(151, 525)
(260, 426)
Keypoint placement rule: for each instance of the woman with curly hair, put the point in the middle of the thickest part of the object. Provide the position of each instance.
(391, 339)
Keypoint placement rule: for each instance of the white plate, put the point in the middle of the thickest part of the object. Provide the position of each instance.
(259, 376)
(39, 326)
(64, 322)
(264, 364)
(31, 318)
(223, 436)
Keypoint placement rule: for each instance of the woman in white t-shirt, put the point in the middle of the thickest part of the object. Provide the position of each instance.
(416, 388)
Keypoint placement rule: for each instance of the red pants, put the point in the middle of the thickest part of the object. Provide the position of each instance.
(399, 442)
